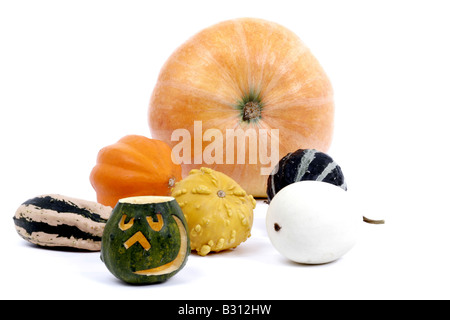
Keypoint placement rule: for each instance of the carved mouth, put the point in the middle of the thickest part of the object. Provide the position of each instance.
(174, 264)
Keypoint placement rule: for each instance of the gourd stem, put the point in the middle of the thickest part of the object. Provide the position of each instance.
(371, 221)
(252, 110)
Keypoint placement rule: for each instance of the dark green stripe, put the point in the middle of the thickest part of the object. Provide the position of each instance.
(60, 206)
(62, 230)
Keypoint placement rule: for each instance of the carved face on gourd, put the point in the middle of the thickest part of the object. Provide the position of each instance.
(145, 240)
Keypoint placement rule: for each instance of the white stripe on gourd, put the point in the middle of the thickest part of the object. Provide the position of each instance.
(308, 157)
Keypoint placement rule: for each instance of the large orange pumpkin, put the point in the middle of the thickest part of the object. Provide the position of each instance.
(134, 166)
(250, 74)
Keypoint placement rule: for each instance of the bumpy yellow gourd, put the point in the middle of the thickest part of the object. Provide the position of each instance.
(218, 211)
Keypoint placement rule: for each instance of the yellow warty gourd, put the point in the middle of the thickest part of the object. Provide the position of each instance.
(218, 211)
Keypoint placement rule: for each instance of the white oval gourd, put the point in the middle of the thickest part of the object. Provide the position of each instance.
(312, 222)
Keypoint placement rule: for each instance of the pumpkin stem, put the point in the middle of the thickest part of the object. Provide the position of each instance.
(250, 106)
(252, 110)
(367, 220)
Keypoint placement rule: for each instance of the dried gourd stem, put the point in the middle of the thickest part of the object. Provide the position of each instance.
(367, 220)
(252, 110)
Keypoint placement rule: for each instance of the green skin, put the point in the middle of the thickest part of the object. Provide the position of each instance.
(165, 244)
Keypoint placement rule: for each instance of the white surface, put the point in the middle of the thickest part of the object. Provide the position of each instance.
(77, 75)
(313, 222)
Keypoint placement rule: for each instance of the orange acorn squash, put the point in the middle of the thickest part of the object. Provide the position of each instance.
(134, 166)
(243, 74)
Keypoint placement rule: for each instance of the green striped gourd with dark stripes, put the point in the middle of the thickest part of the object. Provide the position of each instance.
(301, 165)
(54, 220)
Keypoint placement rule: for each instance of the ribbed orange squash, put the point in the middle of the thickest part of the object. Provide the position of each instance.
(134, 166)
(244, 73)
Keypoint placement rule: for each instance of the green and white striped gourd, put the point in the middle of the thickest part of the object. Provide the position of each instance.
(53, 220)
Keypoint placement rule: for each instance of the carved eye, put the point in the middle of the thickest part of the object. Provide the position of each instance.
(156, 225)
(125, 226)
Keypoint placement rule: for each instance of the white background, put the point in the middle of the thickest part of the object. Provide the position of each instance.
(76, 76)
